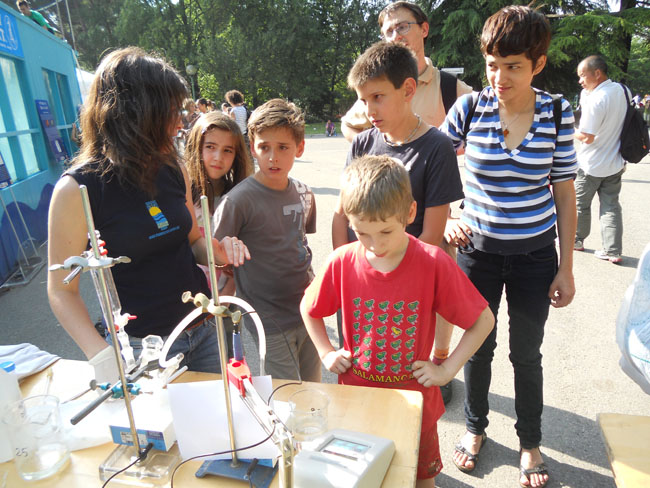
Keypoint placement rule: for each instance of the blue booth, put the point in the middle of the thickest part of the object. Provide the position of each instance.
(39, 95)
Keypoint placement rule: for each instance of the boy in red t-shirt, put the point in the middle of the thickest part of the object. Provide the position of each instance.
(389, 286)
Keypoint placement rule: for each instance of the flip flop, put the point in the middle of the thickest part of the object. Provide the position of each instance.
(539, 469)
(470, 457)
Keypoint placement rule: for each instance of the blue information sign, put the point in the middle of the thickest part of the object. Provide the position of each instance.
(52, 133)
(9, 38)
(5, 179)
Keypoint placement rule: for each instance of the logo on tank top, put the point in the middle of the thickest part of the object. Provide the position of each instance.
(157, 215)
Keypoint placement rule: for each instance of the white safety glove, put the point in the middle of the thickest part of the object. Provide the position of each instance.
(105, 366)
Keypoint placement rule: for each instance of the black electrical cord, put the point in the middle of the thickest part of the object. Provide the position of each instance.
(140, 457)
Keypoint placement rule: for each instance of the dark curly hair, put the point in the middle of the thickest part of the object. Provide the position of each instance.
(134, 100)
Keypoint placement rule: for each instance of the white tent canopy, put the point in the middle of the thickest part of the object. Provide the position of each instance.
(84, 78)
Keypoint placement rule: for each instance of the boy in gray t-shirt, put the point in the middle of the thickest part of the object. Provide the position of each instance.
(271, 213)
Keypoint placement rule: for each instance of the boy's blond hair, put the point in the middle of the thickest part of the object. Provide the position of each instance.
(393, 61)
(376, 188)
(274, 114)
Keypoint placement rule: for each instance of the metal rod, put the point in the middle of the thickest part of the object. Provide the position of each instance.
(104, 396)
(20, 214)
(109, 316)
(58, 15)
(13, 228)
(74, 43)
(221, 334)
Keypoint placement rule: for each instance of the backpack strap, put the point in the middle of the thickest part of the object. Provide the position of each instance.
(625, 90)
(557, 111)
(470, 113)
(448, 83)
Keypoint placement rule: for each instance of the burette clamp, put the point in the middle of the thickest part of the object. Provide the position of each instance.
(207, 306)
(81, 264)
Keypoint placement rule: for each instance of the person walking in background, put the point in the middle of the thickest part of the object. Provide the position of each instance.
(190, 114)
(238, 111)
(202, 105)
(519, 196)
(330, 129)
(601, 164)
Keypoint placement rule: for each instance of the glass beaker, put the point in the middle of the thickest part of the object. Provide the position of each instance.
(308, 418)
(36, 433)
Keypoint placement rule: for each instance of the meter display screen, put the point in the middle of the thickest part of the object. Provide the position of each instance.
(346, 449)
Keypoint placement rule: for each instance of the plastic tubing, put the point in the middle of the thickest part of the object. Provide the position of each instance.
(194, 314)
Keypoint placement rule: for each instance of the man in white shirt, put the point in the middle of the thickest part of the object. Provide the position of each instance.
(601, 164)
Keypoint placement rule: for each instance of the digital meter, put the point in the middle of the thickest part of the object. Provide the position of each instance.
(343, 459)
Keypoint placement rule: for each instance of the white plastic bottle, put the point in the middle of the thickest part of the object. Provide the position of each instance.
(9, 393)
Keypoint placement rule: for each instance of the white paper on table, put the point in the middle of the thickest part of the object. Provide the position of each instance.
(201, 425)
(93, 430)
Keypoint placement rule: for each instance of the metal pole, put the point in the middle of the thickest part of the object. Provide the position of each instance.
(109, 316)
(221, 334)
(20, 214)
(74, 44)
(13, 228)
(58, 15)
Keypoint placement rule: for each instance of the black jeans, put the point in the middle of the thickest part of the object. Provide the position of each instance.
(526, 278)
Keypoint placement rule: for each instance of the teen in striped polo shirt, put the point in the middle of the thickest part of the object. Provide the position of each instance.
(519, 196)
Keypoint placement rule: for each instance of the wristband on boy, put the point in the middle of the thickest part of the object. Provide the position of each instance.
(439, 356)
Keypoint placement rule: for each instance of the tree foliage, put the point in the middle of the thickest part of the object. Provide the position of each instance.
(580, 28)
(303, 49)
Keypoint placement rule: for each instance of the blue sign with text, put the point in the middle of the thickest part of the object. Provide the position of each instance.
(52, 133)
(9, 38)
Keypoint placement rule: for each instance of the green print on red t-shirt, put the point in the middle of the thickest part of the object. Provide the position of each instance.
(382, 349)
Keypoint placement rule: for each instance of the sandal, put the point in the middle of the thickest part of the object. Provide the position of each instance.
(539, 469)
(470, 457)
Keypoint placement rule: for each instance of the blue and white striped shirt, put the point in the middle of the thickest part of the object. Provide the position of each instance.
(508, 201)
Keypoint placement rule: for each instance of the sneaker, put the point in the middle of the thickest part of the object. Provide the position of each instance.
(612, 258)
(446, 393)
(578, 245)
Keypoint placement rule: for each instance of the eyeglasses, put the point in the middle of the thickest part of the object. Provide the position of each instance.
(400, 29)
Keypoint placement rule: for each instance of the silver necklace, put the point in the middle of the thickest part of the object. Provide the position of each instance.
(408, 139)
(505, 125)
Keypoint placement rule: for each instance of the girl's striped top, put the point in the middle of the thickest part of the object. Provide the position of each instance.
(508, 201)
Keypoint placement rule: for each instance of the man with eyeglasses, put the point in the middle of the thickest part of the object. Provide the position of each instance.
(405, 22)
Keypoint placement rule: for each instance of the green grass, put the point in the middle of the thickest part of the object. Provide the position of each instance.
(318, 129)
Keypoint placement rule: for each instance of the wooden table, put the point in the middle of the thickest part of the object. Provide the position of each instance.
(627, 440)
(394, 414)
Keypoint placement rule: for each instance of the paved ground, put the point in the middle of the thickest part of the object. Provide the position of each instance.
(580, 353)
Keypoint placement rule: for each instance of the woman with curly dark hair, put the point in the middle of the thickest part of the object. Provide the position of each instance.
(141, 200)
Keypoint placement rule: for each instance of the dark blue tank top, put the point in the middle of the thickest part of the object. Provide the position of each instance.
(152, 231)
